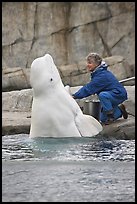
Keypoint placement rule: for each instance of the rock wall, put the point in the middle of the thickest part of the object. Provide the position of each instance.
(66, 30)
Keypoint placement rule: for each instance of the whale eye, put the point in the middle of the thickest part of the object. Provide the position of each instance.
(51, 79)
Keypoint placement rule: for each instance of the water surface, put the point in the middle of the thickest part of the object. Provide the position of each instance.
(67, 169)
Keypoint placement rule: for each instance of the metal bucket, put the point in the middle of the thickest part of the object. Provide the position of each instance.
(92, 107)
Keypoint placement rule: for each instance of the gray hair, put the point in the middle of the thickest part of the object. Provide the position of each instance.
(95, 58)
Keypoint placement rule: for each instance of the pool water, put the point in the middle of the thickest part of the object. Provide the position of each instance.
(67, 169)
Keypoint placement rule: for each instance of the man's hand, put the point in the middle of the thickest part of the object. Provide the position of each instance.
(73, 96)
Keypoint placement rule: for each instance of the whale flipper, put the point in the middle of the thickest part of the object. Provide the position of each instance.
(87, 125)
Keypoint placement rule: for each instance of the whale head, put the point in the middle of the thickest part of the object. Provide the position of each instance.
(44, 73)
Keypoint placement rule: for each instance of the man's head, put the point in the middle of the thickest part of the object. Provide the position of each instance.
(93, 61)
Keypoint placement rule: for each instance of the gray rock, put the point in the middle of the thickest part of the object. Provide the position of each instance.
(67, 30)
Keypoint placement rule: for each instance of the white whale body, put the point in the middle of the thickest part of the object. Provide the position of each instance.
(54, 112)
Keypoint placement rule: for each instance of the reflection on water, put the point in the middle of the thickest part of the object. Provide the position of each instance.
(22, 147)
(67, 169)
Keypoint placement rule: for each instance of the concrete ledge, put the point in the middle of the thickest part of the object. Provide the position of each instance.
(15, 122)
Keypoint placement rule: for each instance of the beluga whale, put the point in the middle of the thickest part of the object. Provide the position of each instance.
(55, 113)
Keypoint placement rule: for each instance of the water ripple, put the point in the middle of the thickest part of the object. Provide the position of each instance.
(21, 147)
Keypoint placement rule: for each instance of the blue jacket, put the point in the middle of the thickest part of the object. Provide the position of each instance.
(102, 80)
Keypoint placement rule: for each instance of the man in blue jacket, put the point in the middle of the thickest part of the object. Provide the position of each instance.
(110, 91)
